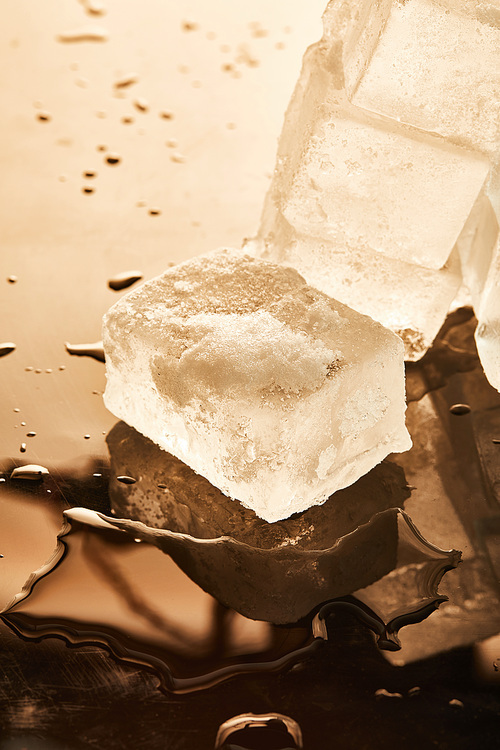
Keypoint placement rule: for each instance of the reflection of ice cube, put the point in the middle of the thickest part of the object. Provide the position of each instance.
(276, 393)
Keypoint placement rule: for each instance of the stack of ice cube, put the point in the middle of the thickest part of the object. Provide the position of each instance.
(386, 192)
(273, 391)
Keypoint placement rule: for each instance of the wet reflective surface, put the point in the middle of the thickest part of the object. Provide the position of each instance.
(136, 136)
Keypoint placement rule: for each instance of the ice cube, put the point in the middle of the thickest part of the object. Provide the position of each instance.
(432, 64)
(274, 392)
(488, 328)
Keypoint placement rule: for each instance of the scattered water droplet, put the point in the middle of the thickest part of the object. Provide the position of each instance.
(172, 143)
(43, 117)
(6, 348)
(496, 441)
(28, 369)
(127, 120)
(383, 693)
(62, 367)
(32, 433)
(90, 174)
(38, 370)
(124, 280)
(189, 26)
(154, 212)
(178, 158)
(141, 203)
(113, 159)
(30, 471)
(124, 479)
(96, 351)
(22, 448)
(84, 34)
(126, 81)
(456, 702)
(101, 147)
(86, 437)
(23, 424)
(141, 104)
(48, 370)
(82, 82)
(460, 409)
(94, 7)
(166, 115)
(414, 690)
(17, 410)
(12, 279)
(161, 486)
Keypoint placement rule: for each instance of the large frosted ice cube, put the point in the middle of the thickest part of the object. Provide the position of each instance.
(273, 391)
(431, 63)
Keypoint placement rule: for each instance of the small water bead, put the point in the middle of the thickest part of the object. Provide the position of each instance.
(62, 367)
(86, 437)
(125, 81)
(88, 190)
(101, 147)
(178, 158)
(48, 370)
(90, 174)
(456, 702)
(127, 120)
(16, 409)
(43, 117)
(172, 143)
(124, 479)
(154, 212)
(166, 115)
(28, 369)
(22, 448)
(12, 279)
(495, 441)
(189, 26)
(141, 104)
(30, 434)
(124, 280)
(113, 159)
(38, 370)
(30, 471)
(95, 350)
(162, 486)
(23, 424)
(460, 409)
(84, 34)
(6, 348)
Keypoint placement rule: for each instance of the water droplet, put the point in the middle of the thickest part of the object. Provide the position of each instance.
(154, 212)
(137, 540)
(1, 556)
(178, 158)
(31, 434)
(414, 690)
(383, 693)
(460, 409)
(6, 348)
(48, 370)
(172, 143)
(124, 280)
(189, 26)
(97, 474)
(127, 120)
(86, 437)
(124, 479)
(126, 81)
(90, 174)
(62, 367)
(94, 7)
(38, 370)
(166, 115)
(101, 147)
(113, 159)
(28, 369)
(456, 702)
(495, 441)
(62, 178)
(141, 104)
(161, 486)
(12, 279)
(141, 203)
(30, 471)
(43, 117)
(82, 82)
(88, 190)
(95, 351)
(17, 410)
(84, 34)
(2, 479)
(23, 424)
(22, 448)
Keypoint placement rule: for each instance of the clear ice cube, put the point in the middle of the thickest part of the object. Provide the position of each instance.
(274, 392)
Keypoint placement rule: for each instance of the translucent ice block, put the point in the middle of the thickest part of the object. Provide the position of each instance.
(431, 63)
(375, 185)
(475, 247)
(488, 328)
(271, 390)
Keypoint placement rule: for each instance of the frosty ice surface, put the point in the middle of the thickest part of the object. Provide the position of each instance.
(276, 393)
